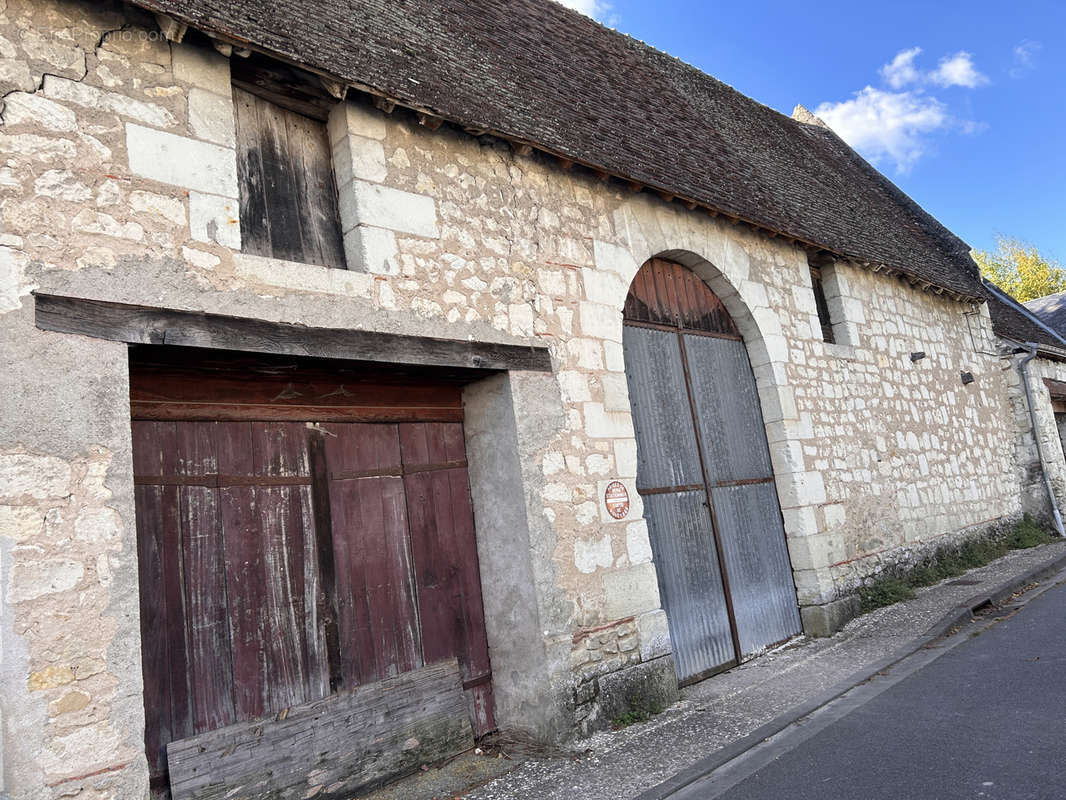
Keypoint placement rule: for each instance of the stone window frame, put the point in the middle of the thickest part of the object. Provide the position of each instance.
(202, 161)
(845, 310)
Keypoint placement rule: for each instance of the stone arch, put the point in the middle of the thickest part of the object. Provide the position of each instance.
(767, 352)
(800, 489)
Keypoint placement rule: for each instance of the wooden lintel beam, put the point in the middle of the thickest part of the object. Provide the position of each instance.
(121, 322)
(475, 131)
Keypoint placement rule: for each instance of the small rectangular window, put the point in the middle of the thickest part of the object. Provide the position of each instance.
(823, 307)
(288, 194)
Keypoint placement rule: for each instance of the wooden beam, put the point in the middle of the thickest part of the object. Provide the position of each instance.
(335, 88)
(384, 104)
(335, 747)
(565, 163)
(120, 322)
(522, 149)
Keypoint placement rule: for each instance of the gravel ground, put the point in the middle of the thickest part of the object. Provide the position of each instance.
(712, 714)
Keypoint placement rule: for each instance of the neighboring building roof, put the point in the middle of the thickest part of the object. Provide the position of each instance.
(535, 72)
(1014, 321)
(1051, 310)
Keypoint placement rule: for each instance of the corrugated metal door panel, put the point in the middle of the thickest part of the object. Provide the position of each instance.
(731, 426)
(667, 454)
(756, 559)
(690, 581)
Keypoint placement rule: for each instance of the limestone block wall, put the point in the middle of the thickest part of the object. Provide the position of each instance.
(1034, 493)
(118, 182)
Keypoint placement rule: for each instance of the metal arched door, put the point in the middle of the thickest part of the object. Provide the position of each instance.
(704, 474)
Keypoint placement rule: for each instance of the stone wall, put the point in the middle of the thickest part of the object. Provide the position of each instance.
(1033, 491)
(119, 183)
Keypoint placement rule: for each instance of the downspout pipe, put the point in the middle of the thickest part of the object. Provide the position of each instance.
(1023, 369)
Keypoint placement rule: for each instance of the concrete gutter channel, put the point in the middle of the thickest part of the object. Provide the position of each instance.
(658, 759)
(956, 617)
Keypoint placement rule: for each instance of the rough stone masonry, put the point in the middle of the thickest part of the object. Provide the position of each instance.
(119, 183)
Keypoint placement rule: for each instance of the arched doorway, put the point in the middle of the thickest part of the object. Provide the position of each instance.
(704, 474)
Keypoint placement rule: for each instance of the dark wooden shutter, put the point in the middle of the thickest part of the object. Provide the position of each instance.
(288, 193)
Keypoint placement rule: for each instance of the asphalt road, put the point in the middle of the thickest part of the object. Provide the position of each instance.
(987, 719)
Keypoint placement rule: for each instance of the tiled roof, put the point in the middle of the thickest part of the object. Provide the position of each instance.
(535, 72)
(1051, 310)
(1012, 320)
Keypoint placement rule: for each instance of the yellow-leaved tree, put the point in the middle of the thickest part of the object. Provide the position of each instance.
(1017, 268)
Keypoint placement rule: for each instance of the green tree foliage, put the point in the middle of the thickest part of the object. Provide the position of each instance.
(1018, 269)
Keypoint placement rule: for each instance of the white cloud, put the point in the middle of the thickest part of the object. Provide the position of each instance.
(1025, 53)
(590, 8)
(898, 126)
(887, 125)
(953, 70)
(957, 70)
(901, 70)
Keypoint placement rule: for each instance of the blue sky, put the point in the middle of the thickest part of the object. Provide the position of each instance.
(962, 104)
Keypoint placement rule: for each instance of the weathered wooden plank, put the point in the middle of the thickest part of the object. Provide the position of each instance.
(330, 748)
(379, 633)
(312, 167)
(164, 658)
(327, 582)
(255, 220)
(279, 180)
(245, 572)
(206, 615)
(299, 670)
(149, 410)
(122, 322)
(444, 555)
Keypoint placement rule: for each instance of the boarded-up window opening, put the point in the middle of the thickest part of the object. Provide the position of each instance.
(288, 193)
(823, 307)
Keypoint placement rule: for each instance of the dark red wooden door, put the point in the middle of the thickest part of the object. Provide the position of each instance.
(281, 561)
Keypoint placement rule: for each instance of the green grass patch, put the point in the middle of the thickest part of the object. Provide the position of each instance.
(951, 561)
(638, 712)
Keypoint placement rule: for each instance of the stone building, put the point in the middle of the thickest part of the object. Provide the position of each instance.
(469, 356)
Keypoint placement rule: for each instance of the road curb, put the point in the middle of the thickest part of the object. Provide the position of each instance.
(955, 617)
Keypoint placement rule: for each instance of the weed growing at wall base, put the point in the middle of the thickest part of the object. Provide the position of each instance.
(948, 562)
